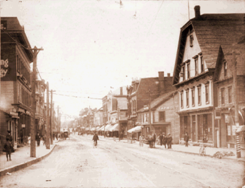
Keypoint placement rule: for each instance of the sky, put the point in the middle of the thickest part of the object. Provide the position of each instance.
(94, 46)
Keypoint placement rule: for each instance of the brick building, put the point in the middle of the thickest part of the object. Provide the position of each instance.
(197, 55)
(142, 92)
(15, 80)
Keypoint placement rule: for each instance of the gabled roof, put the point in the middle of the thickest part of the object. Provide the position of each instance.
(158, 101)
(212, 31)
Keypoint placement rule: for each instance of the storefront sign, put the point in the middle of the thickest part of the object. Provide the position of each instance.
(4, 64)
(23, 125)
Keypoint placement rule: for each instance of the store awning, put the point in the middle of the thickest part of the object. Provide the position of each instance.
(93, 129)
(108, 127)
(240, 128)
(115, 127)
(135, 129)
(102, 128)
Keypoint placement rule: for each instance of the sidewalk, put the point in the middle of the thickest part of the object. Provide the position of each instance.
(21, 158)
(210, 151)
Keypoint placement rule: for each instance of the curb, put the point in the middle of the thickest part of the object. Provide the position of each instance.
(24, 165)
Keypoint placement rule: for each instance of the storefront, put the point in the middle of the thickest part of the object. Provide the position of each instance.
(198, 126)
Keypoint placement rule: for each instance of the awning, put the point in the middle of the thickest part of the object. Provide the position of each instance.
(115, 127)
(108, 127)
(102, 128)
(93, 129)
(98, 128)
(135, 129)
(240, 128)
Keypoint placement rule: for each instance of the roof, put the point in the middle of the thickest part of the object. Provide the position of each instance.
(117, 91)
(158, 101)
(14, 27)
(213, 31)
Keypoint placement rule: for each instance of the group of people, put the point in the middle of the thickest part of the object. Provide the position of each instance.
(166, 140)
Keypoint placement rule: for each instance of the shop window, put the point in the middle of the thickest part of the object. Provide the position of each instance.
(193, 128)
(222, 91)
(162, 116)
(207, 92)
(200, 127)
(187, 98)
(230, 94)
(193, 96)
(199, 95)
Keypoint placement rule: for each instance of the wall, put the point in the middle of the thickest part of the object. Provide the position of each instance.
(7, 94)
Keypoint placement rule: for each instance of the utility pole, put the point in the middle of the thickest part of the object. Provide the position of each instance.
(33, 133)
(58, 119)
(51, 117)
(236, 103)
(47, 142)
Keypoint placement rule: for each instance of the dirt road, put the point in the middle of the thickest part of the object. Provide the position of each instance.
(75, 163)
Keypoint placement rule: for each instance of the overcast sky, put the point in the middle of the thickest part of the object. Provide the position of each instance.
(92, 45)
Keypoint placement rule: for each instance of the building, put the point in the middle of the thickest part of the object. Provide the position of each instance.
(141, 92)
(200, 41)
(165, 119)
(15, 80)
(98, 117)
(224, 96)
(117, 112)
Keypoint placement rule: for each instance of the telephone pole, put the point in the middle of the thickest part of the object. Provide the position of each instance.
(47, 142)
(33, 133)
(236, 103)
(51, 117)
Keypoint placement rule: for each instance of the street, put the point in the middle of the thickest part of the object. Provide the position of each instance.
(75, 163)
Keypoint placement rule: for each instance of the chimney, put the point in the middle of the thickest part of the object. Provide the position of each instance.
(168, 74)
(197, 11)
(161, 82)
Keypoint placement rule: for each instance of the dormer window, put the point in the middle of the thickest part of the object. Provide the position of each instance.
(225, 68)
(191, 40)
(196, 65)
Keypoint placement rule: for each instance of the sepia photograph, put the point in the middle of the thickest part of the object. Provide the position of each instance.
(122, 94)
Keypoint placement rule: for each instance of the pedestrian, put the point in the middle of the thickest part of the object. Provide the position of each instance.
(160, 139)
(9, 137)
(164, 140)
(186, 139)
(140, 140)
(38, 138)
(169, 141)
(8, 149)
(95, 139)
(44, 138)
(154, 139)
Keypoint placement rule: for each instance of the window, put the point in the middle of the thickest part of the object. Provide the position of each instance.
(183, 70)
(191, 40)
(230, 94)
(207, 93)
(193, 96)
(202, 63)
(187, 98)
(188, 70)
(225, 69)
(181, 97)
(196, 66)
(162, 116)
(199, 95)
(222, 96)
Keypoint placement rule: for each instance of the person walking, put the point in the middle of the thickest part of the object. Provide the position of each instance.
(8, 149)
(9, 137)
(154, 140)
(186, 139)
(161, 138)
(169, 141)
(38, 138)
(164, 140)
(95, 139)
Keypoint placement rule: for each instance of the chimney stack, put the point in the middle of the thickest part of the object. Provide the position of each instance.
(121, 90)
(168, 74)
(197, 11)
(161, 82)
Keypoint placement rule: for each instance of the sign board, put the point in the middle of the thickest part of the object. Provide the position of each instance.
(23, 125)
